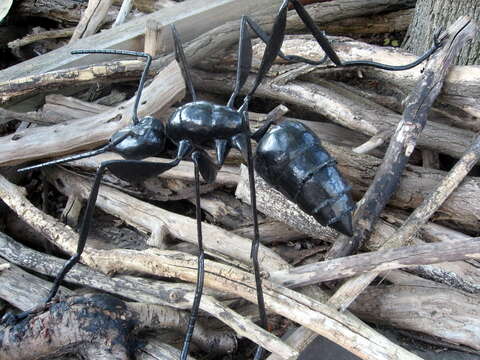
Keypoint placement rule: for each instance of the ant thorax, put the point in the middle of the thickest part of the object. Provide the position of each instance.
(202, 121)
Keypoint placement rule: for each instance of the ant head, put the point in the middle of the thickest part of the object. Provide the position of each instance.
(143, 139)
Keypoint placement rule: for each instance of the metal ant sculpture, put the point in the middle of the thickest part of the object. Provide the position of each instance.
(289, 156)
(193, 127)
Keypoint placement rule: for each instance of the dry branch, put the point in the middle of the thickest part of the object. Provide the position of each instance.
(343, 107)
(63, 11)
(123, 13)
(167, 88)
(192, 19)
(345, 329)
(198, 50)
(439, 311)
(377, 262)
(31, 38)
(33, 117)
(405, 137)
(91, 19)
(179, 296)
(159, 222)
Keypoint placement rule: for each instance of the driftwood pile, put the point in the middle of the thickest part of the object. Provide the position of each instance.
(405, 141)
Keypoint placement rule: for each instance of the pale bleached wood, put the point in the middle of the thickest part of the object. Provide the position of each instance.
(167, 88)
(192, 18)
(439, 311)
(344, 329)
(149, 218)
(204, 46)
(155, 37)
(377, 262)
(123, 13)
(176, 295)
(22, 289)
(91, 20)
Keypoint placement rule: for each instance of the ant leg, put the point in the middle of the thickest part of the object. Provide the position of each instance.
(257, 135)
(138, 170)
(244, 62)
(326, 46)
(84, 230)
(266, 38)
(201, 258)
(82, 239)
(78, 156)
(246, 149)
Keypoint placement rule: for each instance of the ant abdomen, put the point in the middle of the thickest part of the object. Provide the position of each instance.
(291, 159)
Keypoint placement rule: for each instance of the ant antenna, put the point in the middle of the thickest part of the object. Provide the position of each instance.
(129, 53)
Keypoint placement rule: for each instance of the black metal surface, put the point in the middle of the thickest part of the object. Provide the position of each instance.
(200, 125)
(291, 159)
(137, 141)
(141, 140)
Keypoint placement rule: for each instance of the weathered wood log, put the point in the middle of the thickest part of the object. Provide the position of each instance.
(32, 116)
(60, 108)
(345, 330)
(377, 24)
(377, 261)
(84, 75)
(344, 108)
(161, 223)
(155, 34)
(22, 289)
(91, 19)
(75, 324)
(63, 11)
(176, 295)
(440, 311)
(123, 13)
(406, 134)
(167, 88)
(67, 324)
(198, 50)
(31, 38)
(191, 19)
(156, 350)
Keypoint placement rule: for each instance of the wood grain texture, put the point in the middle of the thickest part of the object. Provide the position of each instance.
(34, 143)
